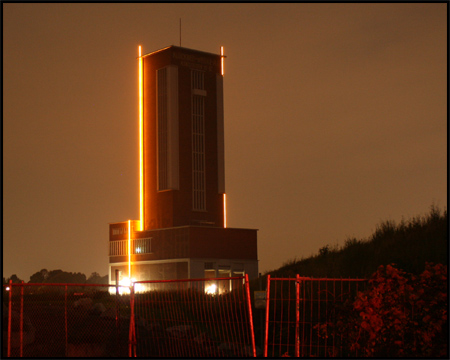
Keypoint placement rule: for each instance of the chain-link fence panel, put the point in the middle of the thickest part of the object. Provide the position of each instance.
(59, 320)
(304, 316)
(192, 318)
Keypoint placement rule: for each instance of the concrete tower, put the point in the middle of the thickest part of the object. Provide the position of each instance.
(184, 180)
(182, 230)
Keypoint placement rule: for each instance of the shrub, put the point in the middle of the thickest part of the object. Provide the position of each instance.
(401, 315)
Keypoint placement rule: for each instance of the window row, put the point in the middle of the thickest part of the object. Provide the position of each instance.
(119, 231)
(198, 80)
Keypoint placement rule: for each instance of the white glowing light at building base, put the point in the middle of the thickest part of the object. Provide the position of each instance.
(124, 286)
(211, 289)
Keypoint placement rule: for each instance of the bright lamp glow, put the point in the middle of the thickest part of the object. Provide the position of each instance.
(124, 286)
(125, 281)
(137, 287)
(211, 289)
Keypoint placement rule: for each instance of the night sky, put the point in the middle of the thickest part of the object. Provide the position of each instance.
(335, 120)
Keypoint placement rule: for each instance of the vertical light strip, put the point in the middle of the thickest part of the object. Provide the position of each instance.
(224, 195)
(224, 210)
(221, 61)
(141, 140)
(129, 249)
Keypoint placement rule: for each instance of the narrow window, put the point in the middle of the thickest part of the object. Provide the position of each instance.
(198, 143)
(162, 129)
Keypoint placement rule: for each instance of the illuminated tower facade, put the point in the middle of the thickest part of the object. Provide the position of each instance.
(184, 180)
(182, 231)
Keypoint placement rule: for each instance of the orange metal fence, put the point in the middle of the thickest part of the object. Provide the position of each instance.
(185, 318)
(302, 315)
(58, 320)
(194, 317)
(176, 318)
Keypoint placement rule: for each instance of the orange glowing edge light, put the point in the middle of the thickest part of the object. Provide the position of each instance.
(129, 249)
(141, 152)
(221, 61)
(224, 210)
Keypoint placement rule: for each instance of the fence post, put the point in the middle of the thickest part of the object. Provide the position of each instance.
(132, 334)
(21, 319)
(261, 317)
(297, 317)
(267, 315)
(249, 303)
(118, 346)
(9, 317)
(65, 316)
(117, 282)
(134, 325)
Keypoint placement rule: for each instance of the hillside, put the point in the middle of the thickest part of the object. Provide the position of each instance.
(409, 245)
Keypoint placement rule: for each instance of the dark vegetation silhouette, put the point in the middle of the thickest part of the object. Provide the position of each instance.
(408, 244)
(59, 276)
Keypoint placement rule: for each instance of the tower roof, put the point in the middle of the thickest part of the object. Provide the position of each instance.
(180, 48)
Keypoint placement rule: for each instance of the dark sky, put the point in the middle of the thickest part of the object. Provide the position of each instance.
(335, 120)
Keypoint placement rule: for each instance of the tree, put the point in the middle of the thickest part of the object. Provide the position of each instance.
(39, 277)
(77, 278)
(400, 314)
(54, 274)
(15, 279)
(64, 277)
(95, 278)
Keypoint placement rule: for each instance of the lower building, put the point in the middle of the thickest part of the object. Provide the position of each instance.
(184, 252)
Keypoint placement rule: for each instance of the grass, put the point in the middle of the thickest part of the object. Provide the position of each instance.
(409, 244)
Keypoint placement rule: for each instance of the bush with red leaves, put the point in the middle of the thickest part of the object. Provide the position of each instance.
(401, 315)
